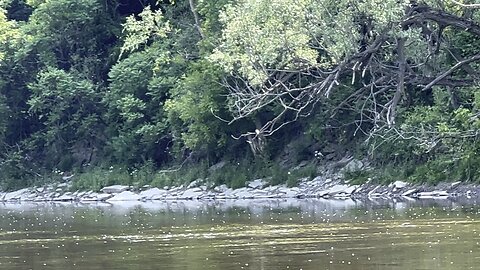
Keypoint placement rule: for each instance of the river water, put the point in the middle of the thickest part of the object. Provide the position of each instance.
(279, 234)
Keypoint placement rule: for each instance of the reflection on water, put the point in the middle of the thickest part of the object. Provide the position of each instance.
(243, 234)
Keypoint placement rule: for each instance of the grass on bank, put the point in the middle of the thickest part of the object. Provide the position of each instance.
(232, 174)
(237, 173)
(431, 172)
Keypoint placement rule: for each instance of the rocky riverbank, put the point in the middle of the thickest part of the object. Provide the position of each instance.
(319, 187)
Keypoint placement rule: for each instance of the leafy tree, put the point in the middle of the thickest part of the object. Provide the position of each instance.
(150, 25)
(71, 34)
(70, 111)
(3, 119)
(13, 93)
(148, 83)
(194, 104)
(177, 95)
(288, 56)
(7, 31)
(139, 86)
(9, 34)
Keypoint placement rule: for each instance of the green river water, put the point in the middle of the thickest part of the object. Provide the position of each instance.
(280, 234)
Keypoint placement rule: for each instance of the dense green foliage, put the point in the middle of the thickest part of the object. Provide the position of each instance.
(123, 91)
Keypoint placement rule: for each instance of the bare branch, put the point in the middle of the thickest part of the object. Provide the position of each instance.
(451, 70)
(473, 6)
(402, 62)
(376, 83)
(423, 13)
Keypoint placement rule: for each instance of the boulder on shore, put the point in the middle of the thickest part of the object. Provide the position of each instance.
(115, 189)
(125, 196)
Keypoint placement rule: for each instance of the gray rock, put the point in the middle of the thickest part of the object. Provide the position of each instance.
(291, 192)
(64, 198)
(339, 189)
(62, 185)
(193, 193)
(207, 195)
(455, 184)
(317, 182)
(16, 195)
(433, 194)
(272, 189)
(49, 195)
(409, 192)
(340, 164)
(242, 193)
(176, 189)
(217, 166)
(158, 197)
(400, 184)
(320, 193)
(350, 190)
(195, 183)
(373, 191)
(41, 198)
(257, 184)
(30, 197)
(115, 189)
(260, 192)
(89, 197)
(67, 177)
(353, 165)
(228, 193)
(104, 196)
(170, 197)
(151, 193)
(125, 196)
(93, 196)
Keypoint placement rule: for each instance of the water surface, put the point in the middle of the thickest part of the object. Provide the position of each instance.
(280, 234)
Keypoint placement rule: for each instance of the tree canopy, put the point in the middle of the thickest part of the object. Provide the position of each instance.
(293, 55)
(90, 83)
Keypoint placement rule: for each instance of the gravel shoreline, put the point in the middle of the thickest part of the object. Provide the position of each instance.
(319, 187)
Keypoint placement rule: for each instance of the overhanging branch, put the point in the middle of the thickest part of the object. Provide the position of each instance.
(450, 71)
(377, 83)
